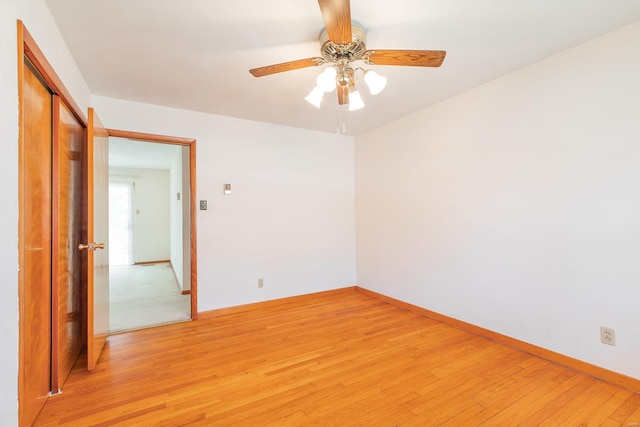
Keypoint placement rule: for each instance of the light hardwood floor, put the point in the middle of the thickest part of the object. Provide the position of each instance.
(337, 359)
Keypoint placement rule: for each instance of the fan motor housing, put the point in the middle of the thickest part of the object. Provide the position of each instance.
(353, 51)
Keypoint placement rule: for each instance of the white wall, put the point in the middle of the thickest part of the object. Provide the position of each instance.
(175, 216)
(516, 206)
(151, 225)
(290, 217)
(186, 225)
(9, 214)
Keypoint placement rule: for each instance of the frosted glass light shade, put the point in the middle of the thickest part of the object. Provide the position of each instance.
(375, 82)
(355, 101)
(327, 80)
(315, 97)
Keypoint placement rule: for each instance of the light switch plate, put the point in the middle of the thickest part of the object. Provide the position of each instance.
(203, 205)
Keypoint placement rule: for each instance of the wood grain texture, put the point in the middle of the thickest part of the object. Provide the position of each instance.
(336, 358)
(337, 20)
(587, 368)
(31, 51)
(23, 413)
(416, 58)
(281, 303)
(66, 271)
(150, 137)
(194, 231)
(58, 272)
(286, 66)
(34, 244)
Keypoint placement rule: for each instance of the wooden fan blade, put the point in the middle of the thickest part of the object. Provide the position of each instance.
(286, 66)
(343, 95)
(418, 58)
(337, 18)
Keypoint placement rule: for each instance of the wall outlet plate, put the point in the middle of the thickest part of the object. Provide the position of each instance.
(607, 336)
(203, 205)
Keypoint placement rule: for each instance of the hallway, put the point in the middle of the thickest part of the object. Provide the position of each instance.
(145, 295)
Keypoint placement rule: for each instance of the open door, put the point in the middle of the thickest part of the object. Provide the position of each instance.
(97, 245)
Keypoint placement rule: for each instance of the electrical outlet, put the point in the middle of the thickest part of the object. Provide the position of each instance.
(260, 282)
(607, 336)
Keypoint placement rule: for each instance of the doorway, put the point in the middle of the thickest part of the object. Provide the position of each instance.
(182, 210)
(149, 201)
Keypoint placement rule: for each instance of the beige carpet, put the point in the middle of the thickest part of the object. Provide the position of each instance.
(145, 295)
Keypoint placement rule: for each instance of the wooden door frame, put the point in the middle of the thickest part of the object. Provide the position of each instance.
(191, 143)
(27, 48)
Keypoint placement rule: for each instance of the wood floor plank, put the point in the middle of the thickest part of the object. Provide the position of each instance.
(583, 406)
(627, 410)
(339, 359)
(603, 409)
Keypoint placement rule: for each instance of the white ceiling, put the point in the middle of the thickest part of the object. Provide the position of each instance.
(195, 54)
(128, 153)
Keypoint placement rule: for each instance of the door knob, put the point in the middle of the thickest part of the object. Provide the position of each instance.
(91, 246)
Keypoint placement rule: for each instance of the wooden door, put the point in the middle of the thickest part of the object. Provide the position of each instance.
(34, 245)
(67, 226)
(98, 235)
(51, 221)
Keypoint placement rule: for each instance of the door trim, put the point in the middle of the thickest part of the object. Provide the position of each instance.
(27, 48)
(191, 143)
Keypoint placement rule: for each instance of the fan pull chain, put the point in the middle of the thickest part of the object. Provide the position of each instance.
(341, 120)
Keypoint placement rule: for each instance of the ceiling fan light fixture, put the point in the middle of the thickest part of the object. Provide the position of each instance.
(375, 82)
(327, 80)
(343, 42)
(355, 101)
(315, 97)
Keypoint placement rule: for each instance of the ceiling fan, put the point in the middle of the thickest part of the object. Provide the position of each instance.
(342, 43)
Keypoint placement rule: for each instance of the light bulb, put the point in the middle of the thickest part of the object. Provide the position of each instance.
(355, 101)
(375, 82)
(327, 80)
(315, 97)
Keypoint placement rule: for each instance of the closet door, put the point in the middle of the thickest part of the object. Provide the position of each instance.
(66, 269)
(51, 222)
(35, 245)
